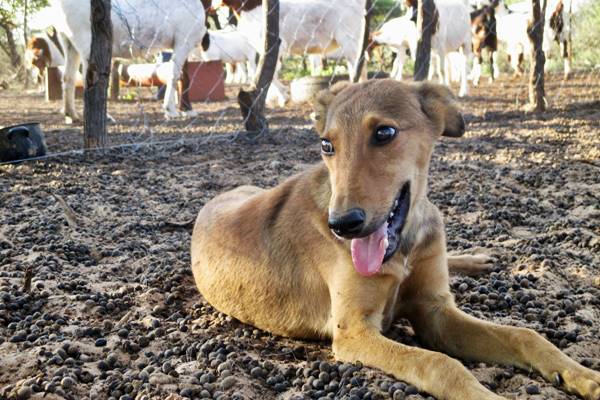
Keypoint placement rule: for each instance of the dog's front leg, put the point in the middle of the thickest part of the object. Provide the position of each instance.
(356, 317)
(443, 326)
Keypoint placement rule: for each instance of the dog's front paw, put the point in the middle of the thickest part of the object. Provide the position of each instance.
(580, 380)
(482, 261)
(471, 264)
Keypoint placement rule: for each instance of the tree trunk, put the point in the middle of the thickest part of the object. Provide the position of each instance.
(185, 104)
(12, 51)
(25, 37)
(362, 46)
(537, 96)
(569, 44)
(97, 76)
(252, 102)
(426, 26)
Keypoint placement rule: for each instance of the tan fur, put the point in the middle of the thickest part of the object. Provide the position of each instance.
(268, 258)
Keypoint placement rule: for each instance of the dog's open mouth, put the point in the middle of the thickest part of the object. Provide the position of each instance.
(371, 251)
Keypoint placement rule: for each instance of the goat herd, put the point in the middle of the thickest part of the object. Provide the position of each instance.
(319, 29)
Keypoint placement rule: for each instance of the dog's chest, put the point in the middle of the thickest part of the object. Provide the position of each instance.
(400, 269)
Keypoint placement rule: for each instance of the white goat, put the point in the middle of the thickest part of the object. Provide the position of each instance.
(329, 28)
(452, 33)
(231, 47)
(512, 25)
(140, 28)
(401, 35)
(511, 29)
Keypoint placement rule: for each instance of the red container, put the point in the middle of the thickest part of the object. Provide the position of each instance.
(206, 81)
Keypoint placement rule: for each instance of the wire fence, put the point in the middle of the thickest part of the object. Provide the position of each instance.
(475, 46)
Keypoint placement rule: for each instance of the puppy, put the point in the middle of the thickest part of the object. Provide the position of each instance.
(343, 249)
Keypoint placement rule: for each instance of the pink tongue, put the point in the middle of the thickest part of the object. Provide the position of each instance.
(368, 252)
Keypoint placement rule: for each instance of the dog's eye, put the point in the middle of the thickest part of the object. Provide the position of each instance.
(384, 134)
(326, 147)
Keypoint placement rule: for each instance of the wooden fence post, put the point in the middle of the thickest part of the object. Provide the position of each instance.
(360, 60)
(97, 76)
(115, 81)
(537, 95)
(425, 25)
(252, 102)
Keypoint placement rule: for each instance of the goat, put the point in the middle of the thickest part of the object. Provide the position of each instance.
(511, 30)
(558, 30)
(452, 32)
(483, 27)
(514, 22)
(401, 35)
(323, 27)
(231, 47)
(42, 51)
(139, 29)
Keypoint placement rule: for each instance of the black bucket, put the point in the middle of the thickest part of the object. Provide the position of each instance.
(20, 142)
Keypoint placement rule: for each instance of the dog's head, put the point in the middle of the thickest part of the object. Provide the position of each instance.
(376, 140)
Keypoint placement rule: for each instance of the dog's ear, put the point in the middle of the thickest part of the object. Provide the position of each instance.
(439, 105)
(321, 103)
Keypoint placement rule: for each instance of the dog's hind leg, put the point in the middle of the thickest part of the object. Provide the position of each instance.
(468, 264)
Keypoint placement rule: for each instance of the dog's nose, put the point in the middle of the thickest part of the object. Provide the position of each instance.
(349, 223)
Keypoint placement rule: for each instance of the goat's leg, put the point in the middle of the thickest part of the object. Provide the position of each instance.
(398, 66)
(443, 326)
(251, 64)
(69, 79)
(466, 60)
(564, 49)
(443, 75)
(351, 65)
(180, 54)
(447, 67)
(229, 73)
(476, 71)
(277, 94)
(432, 66)
(494, 64)
(170, 100)
(438, 62)
(242, 74)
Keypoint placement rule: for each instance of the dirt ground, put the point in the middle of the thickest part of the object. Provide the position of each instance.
(96, 294)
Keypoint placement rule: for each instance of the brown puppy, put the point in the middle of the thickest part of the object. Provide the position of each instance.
(342, 250)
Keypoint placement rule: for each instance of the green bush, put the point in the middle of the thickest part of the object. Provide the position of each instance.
(586, 36)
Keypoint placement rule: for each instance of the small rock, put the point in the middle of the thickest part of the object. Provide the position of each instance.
(258, 372)
(532, 389)
(410, 389)
(228, 382)
(24, 393)
(67, 382)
